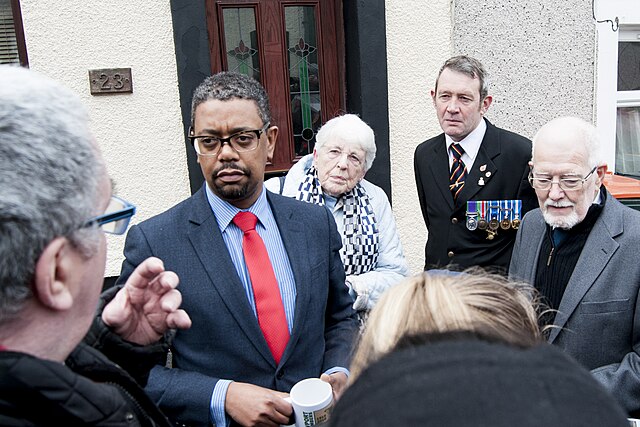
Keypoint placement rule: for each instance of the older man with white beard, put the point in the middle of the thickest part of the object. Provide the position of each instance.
(580, 250)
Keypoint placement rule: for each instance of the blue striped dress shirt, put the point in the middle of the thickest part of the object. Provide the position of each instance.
(232, 235)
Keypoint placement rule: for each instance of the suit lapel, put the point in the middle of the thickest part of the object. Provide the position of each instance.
(532, 249)
(294, 240)
(600, 247)
(206, 235)
(439, 166)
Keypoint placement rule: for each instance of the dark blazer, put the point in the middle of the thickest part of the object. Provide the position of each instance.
(504, 157)
(598, 321)
(225, 340)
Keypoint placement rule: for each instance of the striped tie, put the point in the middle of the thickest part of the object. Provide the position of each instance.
(458, 171)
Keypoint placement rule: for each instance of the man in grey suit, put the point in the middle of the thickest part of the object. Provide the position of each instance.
(580, 250)
(257, 328)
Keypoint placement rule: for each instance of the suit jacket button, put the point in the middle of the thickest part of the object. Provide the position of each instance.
(280, 374)
(450, 254)
(454, 220)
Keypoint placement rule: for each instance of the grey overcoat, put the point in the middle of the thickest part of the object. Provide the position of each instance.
(598, 321)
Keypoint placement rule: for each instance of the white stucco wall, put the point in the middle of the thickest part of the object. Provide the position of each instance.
(140, 133)
(418, 42)
(540, 56)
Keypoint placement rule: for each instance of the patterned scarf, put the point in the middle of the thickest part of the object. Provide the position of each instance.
(361, 239)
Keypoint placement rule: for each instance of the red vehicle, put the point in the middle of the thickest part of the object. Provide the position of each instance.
(625, 189)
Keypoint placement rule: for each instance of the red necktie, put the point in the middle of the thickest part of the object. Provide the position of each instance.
(269, 307)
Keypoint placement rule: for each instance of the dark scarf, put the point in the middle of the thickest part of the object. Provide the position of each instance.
(559, 255)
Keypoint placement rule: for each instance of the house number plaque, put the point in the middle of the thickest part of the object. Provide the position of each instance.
(110, 80)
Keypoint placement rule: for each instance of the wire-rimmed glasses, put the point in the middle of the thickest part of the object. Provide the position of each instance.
(565, 184)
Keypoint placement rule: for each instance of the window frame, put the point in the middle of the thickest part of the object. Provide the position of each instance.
(608, 98)
(628, 98)
(18, 27)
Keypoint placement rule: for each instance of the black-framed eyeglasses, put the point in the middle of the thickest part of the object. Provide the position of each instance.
(116, 217)
(565, 184)
(209, 146)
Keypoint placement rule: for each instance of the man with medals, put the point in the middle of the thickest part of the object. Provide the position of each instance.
(471, 161)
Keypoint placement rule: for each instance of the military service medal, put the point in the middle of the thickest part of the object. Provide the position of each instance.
(482, 221)
(493, 222)
(472, 215)
(505, 222)
(515, 223)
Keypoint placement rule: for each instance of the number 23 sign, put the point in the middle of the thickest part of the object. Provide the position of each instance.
(110, 80)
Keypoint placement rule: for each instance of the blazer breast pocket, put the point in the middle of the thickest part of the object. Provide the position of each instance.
(598, 307)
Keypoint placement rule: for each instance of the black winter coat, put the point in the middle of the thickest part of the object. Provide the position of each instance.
(87, 390)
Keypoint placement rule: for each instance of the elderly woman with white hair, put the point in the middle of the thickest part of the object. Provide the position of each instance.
(334, 176)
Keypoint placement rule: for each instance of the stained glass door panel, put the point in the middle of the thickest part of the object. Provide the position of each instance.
(304, 76)
(294, 47)
(241, 41)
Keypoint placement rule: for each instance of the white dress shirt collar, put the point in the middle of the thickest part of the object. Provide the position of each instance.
(470, 144)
